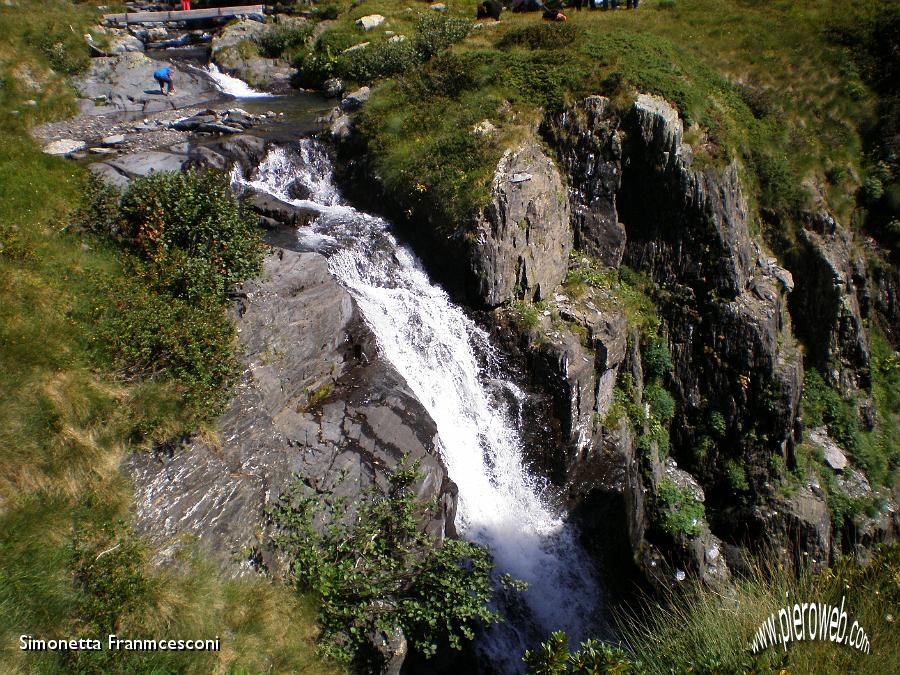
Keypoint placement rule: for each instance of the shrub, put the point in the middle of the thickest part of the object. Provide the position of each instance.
(196, 214)
(662, 405)
(378, 570)
(543, 36)
(657, 360)
(736, 476)
(680, 513)
(383, 59)
(555, 658)
(146, 331)
(283, 39)
(436, 31)
(98, 210)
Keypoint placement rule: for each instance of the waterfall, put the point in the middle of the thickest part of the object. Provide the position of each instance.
(232, 85)
(437, 349)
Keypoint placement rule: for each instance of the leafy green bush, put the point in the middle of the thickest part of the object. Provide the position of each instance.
(680, 513)
(662, 405)
(449, 74)
(147, 332)
(382, 59)
(657, 360)
(555, 658)
(166, 316)
(98, 210)
(437, 31)
(736, 476)
(196, 214)
(378, 570)
(283, 39)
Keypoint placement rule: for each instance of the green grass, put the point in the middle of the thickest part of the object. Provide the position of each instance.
(764, 84)
(709, 629)
(67, 420)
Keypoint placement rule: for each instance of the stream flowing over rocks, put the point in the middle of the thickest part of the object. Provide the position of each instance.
(450, 366)
(358, 350)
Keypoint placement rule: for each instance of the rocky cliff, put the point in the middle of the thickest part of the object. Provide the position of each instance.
(316, 403)
(638, 197)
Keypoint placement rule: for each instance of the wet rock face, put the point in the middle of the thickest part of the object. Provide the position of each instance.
(522, 240)
(826, 304)
(315, 402)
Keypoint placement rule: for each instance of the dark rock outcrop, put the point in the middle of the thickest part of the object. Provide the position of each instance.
(826, 305)
(589, 145)
(315, 403)
(521, 242)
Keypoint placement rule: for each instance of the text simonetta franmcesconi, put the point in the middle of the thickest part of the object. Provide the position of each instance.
(112, 642)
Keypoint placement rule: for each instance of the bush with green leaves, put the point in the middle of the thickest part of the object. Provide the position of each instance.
(146, 331)
(281, 40)
(680, 513)
(166, 316)
(383, 59)
(543, 36)
(554, 657)
(437, 31)
(656, 359)
(662, 405)
(196, 214)
(375, 569)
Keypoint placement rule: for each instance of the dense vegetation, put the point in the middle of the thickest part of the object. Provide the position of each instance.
(69, 564)
(374, 569)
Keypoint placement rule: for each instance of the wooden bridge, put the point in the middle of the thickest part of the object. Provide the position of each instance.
(183, 15)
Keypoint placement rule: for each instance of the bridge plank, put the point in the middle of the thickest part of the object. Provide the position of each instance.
(182, 15)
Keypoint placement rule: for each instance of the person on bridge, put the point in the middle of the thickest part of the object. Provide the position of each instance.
(163, 77)
(186, 5)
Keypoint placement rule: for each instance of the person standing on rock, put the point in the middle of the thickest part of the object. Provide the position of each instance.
(163, 77)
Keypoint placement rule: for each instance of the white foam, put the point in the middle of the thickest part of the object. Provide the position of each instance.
(232, 85)
(436, 348)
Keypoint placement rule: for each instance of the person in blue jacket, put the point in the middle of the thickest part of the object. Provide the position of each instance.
(163, 77)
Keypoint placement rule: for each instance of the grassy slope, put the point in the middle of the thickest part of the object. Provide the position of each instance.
(710, 57)
(66, 422)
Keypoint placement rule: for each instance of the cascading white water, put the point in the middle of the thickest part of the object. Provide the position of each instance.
(232, 85)
(435, 347)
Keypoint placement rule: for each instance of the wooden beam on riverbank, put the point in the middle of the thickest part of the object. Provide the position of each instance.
(183, 15)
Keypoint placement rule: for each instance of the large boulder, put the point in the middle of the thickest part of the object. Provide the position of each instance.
(125, 84)
(521, 242)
